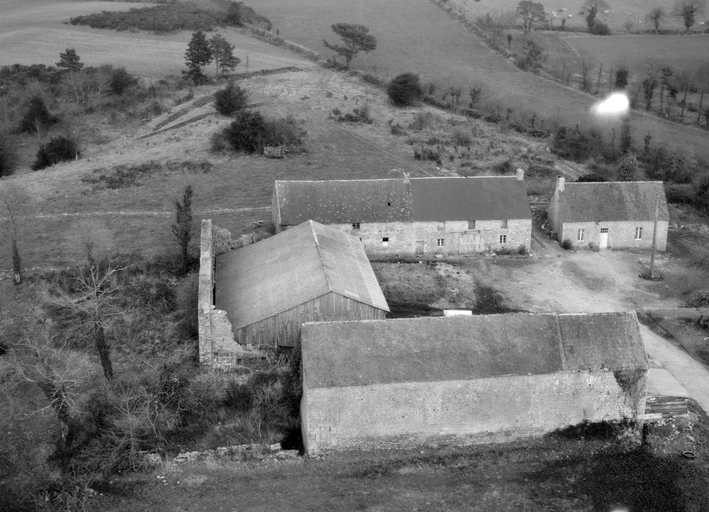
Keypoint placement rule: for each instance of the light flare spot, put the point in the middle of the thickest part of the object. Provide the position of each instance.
(615, 104)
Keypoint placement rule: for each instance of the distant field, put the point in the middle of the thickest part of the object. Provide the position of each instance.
(615, 20)
(419, 37)
(32, 32)
(680, 52)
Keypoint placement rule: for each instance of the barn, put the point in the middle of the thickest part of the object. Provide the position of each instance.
(414, 216)
(407, 382)
(308, 273)
(618, 215)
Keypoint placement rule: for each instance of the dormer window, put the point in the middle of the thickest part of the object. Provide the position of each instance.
(385, 241)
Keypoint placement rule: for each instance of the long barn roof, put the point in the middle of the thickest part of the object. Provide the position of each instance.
(611, 201)
(291, 268)
(338, 354)
(411, 200)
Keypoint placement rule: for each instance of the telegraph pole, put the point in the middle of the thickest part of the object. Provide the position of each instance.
(654, 234)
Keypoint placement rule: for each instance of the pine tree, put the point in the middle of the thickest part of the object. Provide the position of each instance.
(628, 170)
(356, 39)
(197, 55)
(223, 54)
(70, 60)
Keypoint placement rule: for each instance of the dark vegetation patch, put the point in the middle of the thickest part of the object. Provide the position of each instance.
(124, 176)
(167, 18)
(489, 301)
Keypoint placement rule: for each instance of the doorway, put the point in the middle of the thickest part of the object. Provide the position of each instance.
(603, 243)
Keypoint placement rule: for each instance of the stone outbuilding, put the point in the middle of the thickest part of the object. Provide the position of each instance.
(309, 273)
(414, 216)
(618, 214)
(407, 382)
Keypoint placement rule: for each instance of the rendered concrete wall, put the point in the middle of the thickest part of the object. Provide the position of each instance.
(482, 410)
(621, 235)
(403, 236)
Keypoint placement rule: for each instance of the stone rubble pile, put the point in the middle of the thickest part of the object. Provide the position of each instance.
(244, 452)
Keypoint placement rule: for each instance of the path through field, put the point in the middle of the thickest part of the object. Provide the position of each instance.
(416, 36)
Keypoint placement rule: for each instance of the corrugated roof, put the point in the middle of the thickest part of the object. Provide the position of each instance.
(337, 354)
(611, 201)
(290, 268)
(391, 200)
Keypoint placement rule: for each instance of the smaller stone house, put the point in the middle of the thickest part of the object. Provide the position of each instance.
(407, 382)
(618, 215)
(414, 216)
(308, 273)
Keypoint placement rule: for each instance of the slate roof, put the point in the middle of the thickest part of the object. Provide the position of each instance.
(291, 268)
(392, 200)
(611, 201)
(338, 354)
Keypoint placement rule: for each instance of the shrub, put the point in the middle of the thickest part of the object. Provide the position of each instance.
(599, 29)
(591, 177)
(461, 137)
(575, 144)
(628, 170)
(282, 131)
(537, 170)
(567, 244)
(218, 142)
(37, 117)
(405, 90)
(522, 250)
(681, 193)
(230, 99)
(58, 149)
(120, 81)
(8, 155)
(397, 129)
(246, 132)
(358, 115)
(423, 120)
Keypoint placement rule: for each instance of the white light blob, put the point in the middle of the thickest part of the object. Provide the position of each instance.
(615, 104)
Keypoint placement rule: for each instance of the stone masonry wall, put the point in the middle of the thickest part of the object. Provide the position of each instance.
(621, 235)
(482, 410)
(403, 236)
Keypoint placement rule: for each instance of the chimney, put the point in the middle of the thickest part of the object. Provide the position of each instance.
(560, 183)
(520, 174)
(406, 177)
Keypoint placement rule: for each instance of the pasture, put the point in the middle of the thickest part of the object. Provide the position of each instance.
(441, 50)
(33, 32)
(622, 12)
(680, 52)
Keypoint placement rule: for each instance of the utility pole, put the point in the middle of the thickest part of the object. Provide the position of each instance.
(654, 234)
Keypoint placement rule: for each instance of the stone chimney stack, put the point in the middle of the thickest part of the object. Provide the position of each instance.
(406, 177)
(520, 174)
(560, 183)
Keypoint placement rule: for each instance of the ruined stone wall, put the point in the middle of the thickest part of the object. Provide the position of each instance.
(621, 235)
(481, 410)
(459, 237)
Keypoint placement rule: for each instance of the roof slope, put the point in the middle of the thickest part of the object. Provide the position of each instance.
(612, 201)
(290, 268)
(392, 200)
(337, 354)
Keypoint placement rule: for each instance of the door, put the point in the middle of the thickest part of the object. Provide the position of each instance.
(419, 248)
(470, 243)
(603, 243)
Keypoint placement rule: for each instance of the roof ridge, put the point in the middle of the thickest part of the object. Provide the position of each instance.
(312, 223)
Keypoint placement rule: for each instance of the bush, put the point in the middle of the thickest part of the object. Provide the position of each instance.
(682, 193)
(218, 142)
(575, 144)
(37, 117)
(58, 149)
(246, 132)
(599, 29)
(423, 120)
(590, 178)
(120, 81)
(230, 99)
(628, 169)
(405, 90)
(8, 155)
(567, 244)
(461, 137)
(282, 131)
(536, 170)
(358, 115)
(522, 250)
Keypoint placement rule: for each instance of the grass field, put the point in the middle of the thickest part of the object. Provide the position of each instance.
(680, 52)
(441, 50)
(33, 32)
(615, 20)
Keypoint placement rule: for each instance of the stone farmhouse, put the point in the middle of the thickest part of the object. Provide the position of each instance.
(268, 289)
(414, 216)
(618, 215)
(408, 382)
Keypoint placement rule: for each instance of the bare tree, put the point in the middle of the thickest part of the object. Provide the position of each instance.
(684, 79)
(15, 209)
(656, 16)
(687, 11)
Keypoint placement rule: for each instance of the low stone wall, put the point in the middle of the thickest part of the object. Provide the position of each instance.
(205, 299)
(242, 453)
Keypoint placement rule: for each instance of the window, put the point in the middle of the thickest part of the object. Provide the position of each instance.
(503, 224)
(604, 230)
(440, 242)
(441, 226)
(355, 225)
(638, 233)
(503, 239)
(471, 224)
(389, 203)
(580, 235)
(385, 241)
